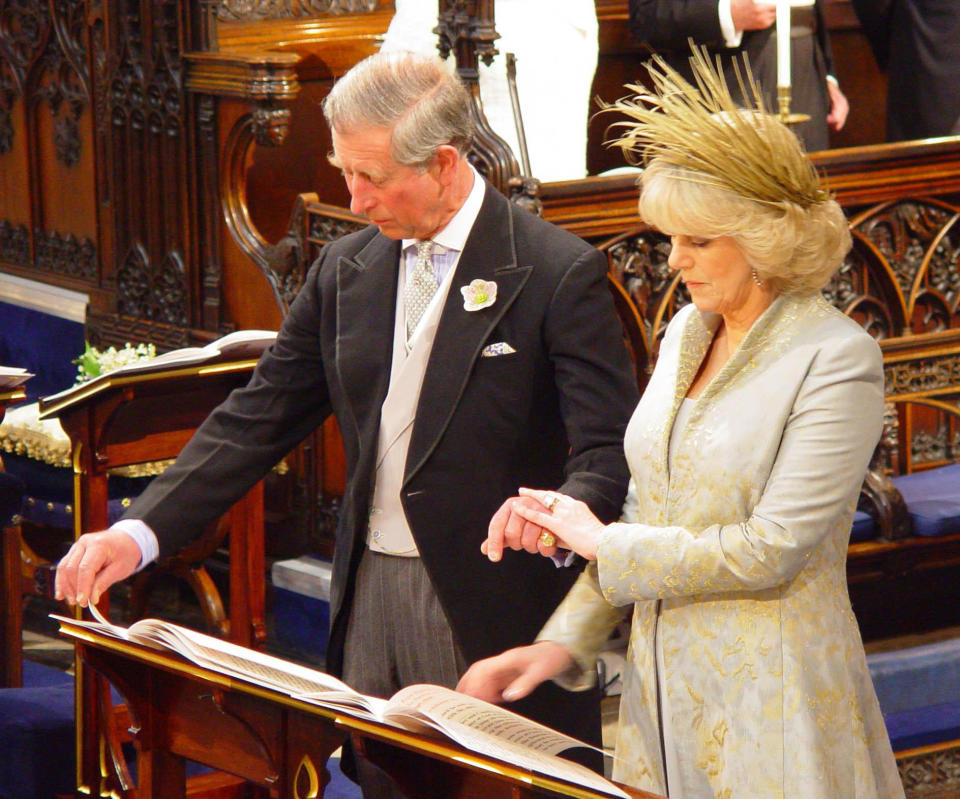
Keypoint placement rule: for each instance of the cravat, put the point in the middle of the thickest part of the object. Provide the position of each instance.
(421, 286)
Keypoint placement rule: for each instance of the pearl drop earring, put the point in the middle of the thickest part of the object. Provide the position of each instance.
(756, 278)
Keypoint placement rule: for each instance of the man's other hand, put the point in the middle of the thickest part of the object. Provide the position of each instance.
(94, 563)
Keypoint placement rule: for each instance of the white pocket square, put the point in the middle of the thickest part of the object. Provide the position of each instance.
(493, 350)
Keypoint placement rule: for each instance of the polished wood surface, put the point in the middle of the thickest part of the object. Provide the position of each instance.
(11, 583)
(181, 711)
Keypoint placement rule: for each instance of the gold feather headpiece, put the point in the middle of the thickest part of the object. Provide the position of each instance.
(702, 131)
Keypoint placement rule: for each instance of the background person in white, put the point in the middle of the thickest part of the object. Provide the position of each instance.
(439, 428)
(555, 42)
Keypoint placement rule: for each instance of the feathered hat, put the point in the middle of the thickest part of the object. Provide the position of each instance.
(704, 133)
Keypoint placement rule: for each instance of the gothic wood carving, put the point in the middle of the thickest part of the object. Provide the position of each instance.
(466, 29)
(252, 10)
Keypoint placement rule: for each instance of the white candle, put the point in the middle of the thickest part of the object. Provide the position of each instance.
(783, 43)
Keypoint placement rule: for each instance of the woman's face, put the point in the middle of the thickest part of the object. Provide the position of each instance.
(716, 274)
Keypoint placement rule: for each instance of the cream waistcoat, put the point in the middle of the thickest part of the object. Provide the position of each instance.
(388, 531)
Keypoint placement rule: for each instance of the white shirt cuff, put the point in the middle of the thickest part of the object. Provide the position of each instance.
(144, 538)
(731, 36)
(563, 558)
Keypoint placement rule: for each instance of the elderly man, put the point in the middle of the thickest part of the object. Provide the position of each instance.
(466, 348)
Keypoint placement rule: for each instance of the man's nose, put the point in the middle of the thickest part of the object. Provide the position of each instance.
(359, 196)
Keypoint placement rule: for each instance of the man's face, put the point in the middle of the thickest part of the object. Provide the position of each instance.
(402, 201)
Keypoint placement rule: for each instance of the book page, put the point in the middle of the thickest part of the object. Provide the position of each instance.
(218, 655)
(241, 344)
(238, 345)
(13, 376)
(494, 731)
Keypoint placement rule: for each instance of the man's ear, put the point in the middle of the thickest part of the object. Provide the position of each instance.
(445, 162)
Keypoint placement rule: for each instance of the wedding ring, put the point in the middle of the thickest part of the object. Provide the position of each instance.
(551, 503)
(547, 539)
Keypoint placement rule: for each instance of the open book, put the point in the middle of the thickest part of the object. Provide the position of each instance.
(237, 346)
(13, 376)
(426, 709)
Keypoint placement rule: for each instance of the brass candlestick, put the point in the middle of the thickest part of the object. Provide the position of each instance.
(783, 103)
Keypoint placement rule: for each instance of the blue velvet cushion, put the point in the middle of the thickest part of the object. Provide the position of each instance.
(919, 693)
(37, 735)
(923, 726)
(40, 343)
(864, 528)
(49, 492)
(918, 676)
(933, 500)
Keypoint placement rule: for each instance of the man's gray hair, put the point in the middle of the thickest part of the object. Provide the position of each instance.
(416, 96)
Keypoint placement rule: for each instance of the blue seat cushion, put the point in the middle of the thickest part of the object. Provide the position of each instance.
(49, 492)
(864, 528)
(923, 726)
(37, 740)
(917, 677)
(933, 500)
(40, 343)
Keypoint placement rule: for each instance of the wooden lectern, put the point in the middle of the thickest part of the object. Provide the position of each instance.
(182, 711)
(135, 418)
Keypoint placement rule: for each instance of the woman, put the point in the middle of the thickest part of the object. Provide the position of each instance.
(745, 677)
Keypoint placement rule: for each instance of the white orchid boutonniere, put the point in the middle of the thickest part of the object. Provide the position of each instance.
(479, 294)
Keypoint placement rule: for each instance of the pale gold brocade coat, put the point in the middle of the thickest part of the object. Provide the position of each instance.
(734, 563)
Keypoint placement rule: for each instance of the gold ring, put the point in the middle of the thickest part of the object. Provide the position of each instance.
(551, 502)
(547, 539)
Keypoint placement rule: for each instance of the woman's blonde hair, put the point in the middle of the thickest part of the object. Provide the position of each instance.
(711, 168)
(794, 249)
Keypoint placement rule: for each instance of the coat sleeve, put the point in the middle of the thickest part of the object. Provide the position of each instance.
(595, 382)
(874, 17)
(247, 435)
(667, 24)
(812, 488)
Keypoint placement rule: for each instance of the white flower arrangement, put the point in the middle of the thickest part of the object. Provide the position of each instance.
(95, 362)
(479, 294)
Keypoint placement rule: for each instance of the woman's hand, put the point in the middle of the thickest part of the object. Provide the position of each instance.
(570, 521)
(514, 674)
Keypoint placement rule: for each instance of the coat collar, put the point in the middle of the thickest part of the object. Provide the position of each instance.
(771, 333)
(490, 254)
(366, 309)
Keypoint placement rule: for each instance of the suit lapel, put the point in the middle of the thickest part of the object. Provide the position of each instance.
(489, 254)
(366, 310)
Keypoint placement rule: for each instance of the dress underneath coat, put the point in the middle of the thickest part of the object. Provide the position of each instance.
(733, 559)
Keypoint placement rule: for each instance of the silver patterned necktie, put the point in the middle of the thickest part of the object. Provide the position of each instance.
(421, 286)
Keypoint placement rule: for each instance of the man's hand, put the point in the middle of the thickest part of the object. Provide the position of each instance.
(509, 529)
(753, 15)
(839, 107)
(515, 673)
(94, 563)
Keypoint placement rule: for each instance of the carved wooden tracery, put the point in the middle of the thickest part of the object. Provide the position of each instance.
(466, 29)
(43, 73)
(278, 9)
